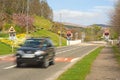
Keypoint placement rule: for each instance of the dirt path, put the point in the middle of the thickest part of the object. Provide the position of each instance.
(105, 67)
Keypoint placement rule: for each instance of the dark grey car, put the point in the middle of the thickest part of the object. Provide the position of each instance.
(36, 51)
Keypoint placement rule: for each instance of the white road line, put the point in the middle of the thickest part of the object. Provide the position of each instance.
(67, 50)
(75, 59)
(10, 67)
(62, 49)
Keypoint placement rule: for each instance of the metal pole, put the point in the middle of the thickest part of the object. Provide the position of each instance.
(27, 28)
(12, 46)
(91, 33)
(60, 38)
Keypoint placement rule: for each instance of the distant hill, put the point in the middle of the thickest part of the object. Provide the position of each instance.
(102, 25)
(73, 26)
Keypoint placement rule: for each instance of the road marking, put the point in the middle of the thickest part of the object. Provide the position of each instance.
(75, 59)
(12, 58)
(10, 67)
(62, 48)
(63, 59)
(67, 50)
(59, 59)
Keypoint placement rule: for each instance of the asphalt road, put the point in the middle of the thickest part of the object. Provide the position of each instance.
(64, 57)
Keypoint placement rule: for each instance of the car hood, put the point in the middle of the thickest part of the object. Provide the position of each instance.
(30, 49)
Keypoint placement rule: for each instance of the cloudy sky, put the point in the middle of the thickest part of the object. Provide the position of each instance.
(83, 12)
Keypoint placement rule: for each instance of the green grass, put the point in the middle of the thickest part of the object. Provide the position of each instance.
(4, 35)
(54, 37)
(5, 49)
(81, 69)
(116, 50)
(41, 22)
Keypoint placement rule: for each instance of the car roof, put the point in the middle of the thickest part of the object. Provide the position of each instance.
(38, 38)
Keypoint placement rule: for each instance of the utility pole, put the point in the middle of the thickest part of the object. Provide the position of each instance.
(92, 34)
(60, 37)
(27, 23)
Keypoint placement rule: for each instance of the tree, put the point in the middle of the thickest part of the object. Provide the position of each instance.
(21, 20)
(93, 32)
(19, 7)
(115, 18)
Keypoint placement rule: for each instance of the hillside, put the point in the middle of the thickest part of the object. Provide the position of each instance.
(53, 36)
(43, 30)
(42, 23)
(101, 25)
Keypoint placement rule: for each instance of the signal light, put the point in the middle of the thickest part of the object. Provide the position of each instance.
(68, 35)
(106, 34)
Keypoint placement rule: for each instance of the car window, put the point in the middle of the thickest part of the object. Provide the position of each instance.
(49, 43)
(32, 43)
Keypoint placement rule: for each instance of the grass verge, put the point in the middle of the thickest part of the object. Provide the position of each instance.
(5, 49)
(80, 70)
(116, 50)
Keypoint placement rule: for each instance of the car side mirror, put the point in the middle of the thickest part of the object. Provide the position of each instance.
(49, 45)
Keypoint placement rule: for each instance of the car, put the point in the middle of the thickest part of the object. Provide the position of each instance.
(39, 51)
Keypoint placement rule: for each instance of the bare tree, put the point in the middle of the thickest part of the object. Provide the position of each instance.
(115, 18)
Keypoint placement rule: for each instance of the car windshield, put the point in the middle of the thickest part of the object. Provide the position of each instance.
(33, 43)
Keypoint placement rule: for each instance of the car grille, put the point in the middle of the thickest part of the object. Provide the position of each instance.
(29, 52)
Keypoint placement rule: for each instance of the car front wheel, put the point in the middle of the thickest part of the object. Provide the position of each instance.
(18, 64)
(45, 63)
(52, 62)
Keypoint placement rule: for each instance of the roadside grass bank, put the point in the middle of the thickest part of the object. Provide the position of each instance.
(5, 49)
(81, 69)
(54, 37)
(5, 44)
(116, 50)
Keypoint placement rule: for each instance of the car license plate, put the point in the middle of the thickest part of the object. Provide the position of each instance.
(28, 56)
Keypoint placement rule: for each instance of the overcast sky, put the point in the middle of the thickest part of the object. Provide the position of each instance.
(83, 12)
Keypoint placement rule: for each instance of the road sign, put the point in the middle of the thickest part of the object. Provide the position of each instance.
(69, 33)
(59, 32)
(106, 34)
(12, 36)
(11, 30)
(106, 31)
(12, 33)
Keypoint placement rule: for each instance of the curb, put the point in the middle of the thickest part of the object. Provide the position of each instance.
(4, 56)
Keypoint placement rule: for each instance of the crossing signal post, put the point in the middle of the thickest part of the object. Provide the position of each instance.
(12, 33)
(106, 34)
(69, 35)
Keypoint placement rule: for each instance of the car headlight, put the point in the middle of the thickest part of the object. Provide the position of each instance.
(39, 53)
(20, 52)
(18, 56)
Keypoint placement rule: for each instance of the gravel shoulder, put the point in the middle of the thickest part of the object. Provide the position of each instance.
(105, 67)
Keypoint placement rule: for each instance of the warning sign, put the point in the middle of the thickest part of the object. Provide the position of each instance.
(11, 30)
(12, 33)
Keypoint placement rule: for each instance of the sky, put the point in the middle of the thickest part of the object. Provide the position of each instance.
(82, 12)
